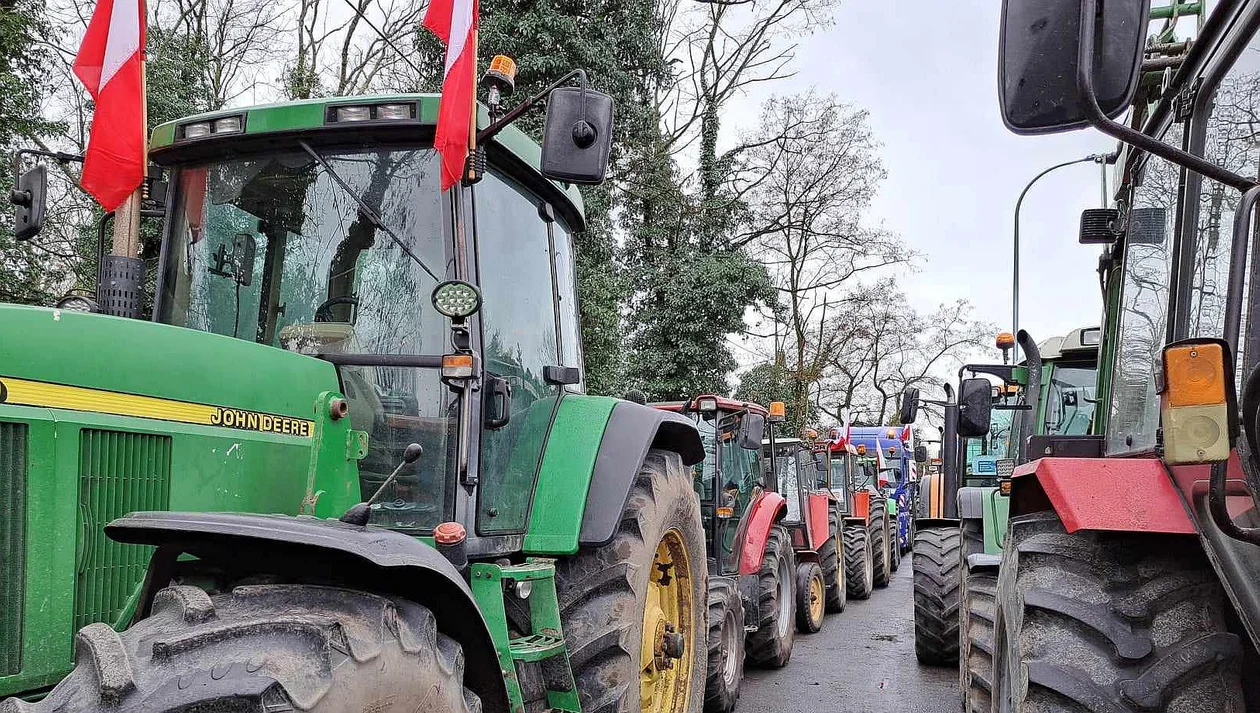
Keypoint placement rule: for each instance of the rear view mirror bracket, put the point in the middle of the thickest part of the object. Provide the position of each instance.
(1098, 119)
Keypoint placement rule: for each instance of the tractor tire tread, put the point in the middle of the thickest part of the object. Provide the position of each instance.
(264, 647)
(719, 695)
(1114, 622)
(937, 577)
(832, 568)
(765, 647)
(858, 556)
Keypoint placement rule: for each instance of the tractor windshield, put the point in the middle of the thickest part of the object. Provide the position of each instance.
(273, 248)
(1070, 401)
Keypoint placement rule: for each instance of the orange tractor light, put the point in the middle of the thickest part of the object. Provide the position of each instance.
(861, 449)
(1005, 340)
(778, 412)
(1194, 403)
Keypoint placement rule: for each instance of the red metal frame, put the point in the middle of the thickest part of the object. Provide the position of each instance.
(723, 404)
(762, 513)
(1119, 494)
(819, 522)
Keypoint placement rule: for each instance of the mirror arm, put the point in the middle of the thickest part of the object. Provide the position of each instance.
(517, 111)
(1095, 116)
(61, 156)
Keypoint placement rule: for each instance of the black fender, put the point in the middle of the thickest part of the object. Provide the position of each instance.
(632, 429)
(322, 551)
(971, 503)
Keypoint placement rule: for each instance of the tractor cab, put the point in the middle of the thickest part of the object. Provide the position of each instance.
(806, 489)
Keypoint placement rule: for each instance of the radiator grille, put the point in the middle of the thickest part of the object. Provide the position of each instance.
(118, 473)
(12, 544)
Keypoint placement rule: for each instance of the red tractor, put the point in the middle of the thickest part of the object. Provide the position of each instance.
(752, 565)
(814, 520)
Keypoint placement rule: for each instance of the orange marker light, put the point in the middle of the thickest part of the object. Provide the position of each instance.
(861, 449)
(1005, 340)
(457, 366)
(1194, 375)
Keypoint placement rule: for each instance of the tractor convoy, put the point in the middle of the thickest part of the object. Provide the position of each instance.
(350, 464)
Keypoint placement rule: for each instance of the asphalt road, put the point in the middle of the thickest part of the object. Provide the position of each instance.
(862, 661)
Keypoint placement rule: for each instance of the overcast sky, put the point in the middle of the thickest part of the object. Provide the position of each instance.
(927, 73)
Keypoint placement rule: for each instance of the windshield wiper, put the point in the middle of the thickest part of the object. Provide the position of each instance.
(366, 210)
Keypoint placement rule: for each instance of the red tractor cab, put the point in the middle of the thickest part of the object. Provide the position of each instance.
(752, 565)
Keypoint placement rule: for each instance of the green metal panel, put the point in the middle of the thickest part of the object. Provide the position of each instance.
(564, 478)
(12, 543)
(996, 510)
(149, 359)
(118, 473)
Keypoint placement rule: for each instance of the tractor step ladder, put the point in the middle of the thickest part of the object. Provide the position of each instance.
(535, 584)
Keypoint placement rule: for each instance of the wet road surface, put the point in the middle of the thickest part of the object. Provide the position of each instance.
(862, 661)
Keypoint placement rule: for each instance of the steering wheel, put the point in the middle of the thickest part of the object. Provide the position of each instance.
(323, 313)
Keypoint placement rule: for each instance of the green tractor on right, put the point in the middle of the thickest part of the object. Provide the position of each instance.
(1050, 394)
(1129, 577)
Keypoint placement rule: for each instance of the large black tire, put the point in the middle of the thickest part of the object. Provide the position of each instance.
(603, 591)
(726, 646)
(811, 598)
(878, 523)
(1108, 621)
(859, 561)
(770, 646)
(265, 647)
(937, 574)
(832, 568)
(894, 544)
(978, 593)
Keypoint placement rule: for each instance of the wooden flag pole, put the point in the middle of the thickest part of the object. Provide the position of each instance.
(127, 216)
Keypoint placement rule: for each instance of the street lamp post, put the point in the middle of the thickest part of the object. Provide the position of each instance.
(1096, 158)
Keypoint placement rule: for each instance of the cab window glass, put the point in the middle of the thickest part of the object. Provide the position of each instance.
(1070, 400)
(518, 340)
(1134, 409)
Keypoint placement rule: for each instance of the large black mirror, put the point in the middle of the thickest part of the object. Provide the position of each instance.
(975, 400)
(751, 429)
(1037, 62)
(909, 405)
(577, 138)
(920, 454)
(28, 198)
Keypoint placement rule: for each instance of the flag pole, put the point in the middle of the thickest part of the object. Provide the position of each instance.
(127, 216)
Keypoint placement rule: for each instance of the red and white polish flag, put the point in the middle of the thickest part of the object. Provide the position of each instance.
(455, 23)
(110, 64)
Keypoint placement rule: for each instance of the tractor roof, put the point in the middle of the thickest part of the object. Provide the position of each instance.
(722, 402)
(309, 115)
(1079, 343)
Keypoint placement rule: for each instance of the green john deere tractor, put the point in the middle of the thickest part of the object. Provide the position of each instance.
(391, 368)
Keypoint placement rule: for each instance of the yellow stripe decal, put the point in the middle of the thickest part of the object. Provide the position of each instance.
(22, 392)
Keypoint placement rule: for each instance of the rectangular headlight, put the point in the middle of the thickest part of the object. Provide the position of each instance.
(197, 130)
(227, 125)
(353, 113)
(393, 112)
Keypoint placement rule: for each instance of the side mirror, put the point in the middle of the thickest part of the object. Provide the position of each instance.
(751, 428)
(920, 454)
(28, 198)
(1038, 57)
(577, 138)
(909, 405)
(974, 403)
(1148, 226)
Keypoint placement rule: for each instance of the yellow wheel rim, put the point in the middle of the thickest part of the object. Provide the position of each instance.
(816, 600)
(669, 640)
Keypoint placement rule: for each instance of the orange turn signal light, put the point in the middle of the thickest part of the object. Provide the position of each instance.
(861, 449)
(1004, 487)
(725, 512)
(1194, 375)
(457, 366)
(1194, 402)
